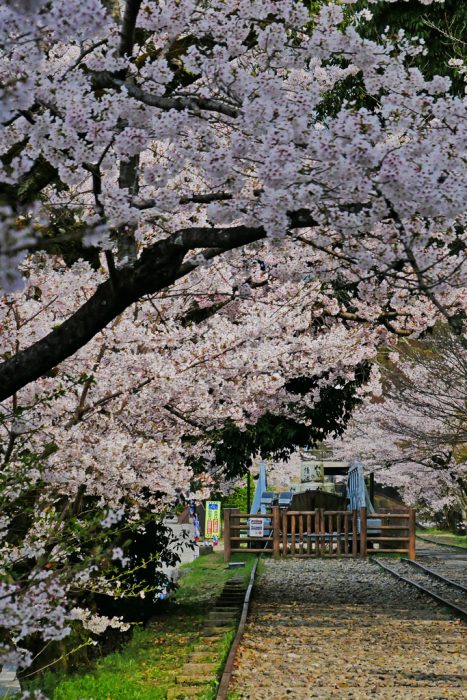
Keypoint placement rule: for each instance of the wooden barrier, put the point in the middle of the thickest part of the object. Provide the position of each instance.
(276, 524)
(293, 533)
(319, 533)
(363, 532)
(236, 532)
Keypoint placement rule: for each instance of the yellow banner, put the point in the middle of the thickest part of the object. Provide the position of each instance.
(213, 519)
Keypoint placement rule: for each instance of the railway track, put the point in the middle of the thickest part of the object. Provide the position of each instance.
(432, 546)
(452, 594)
(450, 561)
(345, 630)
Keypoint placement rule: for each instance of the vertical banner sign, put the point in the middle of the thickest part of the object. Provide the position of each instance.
(213, 519)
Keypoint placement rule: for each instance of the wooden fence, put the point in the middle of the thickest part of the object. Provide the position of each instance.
(395, 528)
(319, 533)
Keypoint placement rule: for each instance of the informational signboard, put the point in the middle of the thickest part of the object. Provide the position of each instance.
(213, 519)
(256, 527)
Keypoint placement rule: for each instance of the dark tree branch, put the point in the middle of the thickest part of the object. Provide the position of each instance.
(159, 266)
(193, 103)
(127, 34)
(188, 199)
(26, 189)
(181, 416)
(105, 80)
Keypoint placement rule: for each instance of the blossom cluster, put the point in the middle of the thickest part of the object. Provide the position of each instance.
(413, 436)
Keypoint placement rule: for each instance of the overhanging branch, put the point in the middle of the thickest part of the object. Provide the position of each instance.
(158, 267)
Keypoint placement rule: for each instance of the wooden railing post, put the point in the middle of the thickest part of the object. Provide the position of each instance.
(363, 535)
(292, 535)
(354, 533)
(322, 529)
(276, 533)
(308, 533)
(346, 533)
(284, 533)
(318, 531)
(227, 535)
(338, 531)
(300, 535)
(412, 526)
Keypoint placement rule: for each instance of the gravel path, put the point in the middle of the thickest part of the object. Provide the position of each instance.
(346, 629)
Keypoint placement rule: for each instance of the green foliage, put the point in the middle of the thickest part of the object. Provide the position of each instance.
(443, 536)
(277, 437)
(203, 579)
(443, 27)
(143, 670)
(238, 497)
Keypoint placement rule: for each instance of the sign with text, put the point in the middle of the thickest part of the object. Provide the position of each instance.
(213, 519)
(256, 527)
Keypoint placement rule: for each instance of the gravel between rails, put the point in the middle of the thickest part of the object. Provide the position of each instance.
(346, 629)
(454, 568)
(444, 590)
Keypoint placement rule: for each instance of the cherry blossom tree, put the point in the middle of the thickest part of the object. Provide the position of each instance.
(186, 231)
(414, 436)
(122, 424)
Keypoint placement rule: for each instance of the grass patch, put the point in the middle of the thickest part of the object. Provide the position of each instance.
(144, 669)
(444, 537)
(203, 579)
(387, 555)
(148, 664)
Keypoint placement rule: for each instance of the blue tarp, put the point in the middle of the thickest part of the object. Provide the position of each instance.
(261, 486)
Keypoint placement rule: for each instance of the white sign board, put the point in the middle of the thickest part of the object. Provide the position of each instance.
(256, 527)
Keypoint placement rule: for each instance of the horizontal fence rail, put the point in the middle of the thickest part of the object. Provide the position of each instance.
(318, 533)
(393, 528)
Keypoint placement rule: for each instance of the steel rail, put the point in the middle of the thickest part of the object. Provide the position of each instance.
(228, 668)
(460, 612)
(434, 574)
(442, 544)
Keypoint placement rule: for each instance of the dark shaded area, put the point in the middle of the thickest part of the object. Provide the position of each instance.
(148, 547)
(312, 500)
(443, 27)
(276, 437)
